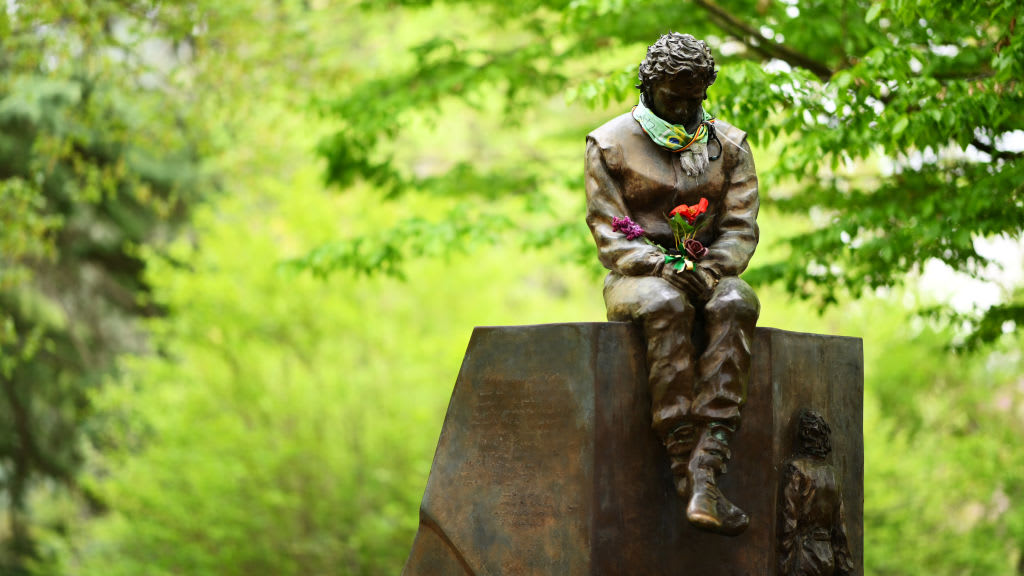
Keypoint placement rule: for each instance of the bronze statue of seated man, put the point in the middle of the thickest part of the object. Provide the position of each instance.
(697, 315)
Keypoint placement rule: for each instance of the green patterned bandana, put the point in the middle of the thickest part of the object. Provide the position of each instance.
(671, 136)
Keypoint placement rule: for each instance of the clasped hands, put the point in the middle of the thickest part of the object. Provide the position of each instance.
(698, 282)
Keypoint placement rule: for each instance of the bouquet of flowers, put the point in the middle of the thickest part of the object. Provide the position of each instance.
(685, 221)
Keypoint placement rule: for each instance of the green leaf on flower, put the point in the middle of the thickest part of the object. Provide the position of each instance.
(658, 246)
(680, 227)
(704, 221)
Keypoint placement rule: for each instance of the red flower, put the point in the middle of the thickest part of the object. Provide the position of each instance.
(690, 213)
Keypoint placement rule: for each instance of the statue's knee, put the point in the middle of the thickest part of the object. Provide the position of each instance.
(666, 302)
(734, 298)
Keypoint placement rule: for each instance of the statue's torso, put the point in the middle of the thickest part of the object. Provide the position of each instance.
(823, 503)
(653, 181)
(817, 516)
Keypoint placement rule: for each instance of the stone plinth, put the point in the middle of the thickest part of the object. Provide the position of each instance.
(547, 464)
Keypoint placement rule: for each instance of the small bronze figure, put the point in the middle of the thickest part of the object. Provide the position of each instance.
(812, 526)
(651, 175)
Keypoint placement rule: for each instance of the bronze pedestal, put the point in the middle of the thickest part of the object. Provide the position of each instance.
(547, 463)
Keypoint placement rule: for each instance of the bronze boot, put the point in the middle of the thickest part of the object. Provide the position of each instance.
(708, 508)
(679, 444)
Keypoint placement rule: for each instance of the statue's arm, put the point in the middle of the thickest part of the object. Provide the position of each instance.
(789, 519)
(840, 543)
(730, 253)
(604, 202)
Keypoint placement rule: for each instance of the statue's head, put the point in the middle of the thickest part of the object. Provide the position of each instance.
(675, 76)
(813, 434)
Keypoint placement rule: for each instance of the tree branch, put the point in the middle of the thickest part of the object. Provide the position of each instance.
(994, 152)
(979, 74)
(27, 440)
(771, 49)
(725, 25)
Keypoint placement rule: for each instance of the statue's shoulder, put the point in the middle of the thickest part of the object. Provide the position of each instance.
(729, 135)
(617, 139)
(617, 131)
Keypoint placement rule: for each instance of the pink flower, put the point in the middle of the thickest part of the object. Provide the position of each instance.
(631, 229)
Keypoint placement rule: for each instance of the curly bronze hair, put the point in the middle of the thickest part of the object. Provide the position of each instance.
(677, 54)
(814, 433)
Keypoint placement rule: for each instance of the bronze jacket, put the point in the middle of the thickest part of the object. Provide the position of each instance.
(629, 175)
(812, 531)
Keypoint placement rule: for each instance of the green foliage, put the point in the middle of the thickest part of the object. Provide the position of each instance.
(289, 426)
(95, 160)
(943, 466)
(302, 464)
(890, 117)
(25, 229)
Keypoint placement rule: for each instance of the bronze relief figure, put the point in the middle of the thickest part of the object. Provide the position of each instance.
(812, 523)
(672, 204)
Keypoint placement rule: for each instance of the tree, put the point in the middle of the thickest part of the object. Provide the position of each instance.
(894, 120)
(288, 424)
(97, 159)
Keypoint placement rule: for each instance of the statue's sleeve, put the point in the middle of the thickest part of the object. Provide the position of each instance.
(792, 500)
(730, 253)
(840, 543)
(604, 202)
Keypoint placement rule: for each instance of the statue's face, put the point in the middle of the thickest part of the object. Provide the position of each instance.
(676, 99)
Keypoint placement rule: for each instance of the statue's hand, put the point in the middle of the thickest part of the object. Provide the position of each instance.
(707, 278)
(698, 283)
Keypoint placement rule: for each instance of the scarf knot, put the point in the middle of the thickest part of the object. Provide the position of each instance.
(673, 137)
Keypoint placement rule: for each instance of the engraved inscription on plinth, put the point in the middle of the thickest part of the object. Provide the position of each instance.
(509, 485)
(514, 426)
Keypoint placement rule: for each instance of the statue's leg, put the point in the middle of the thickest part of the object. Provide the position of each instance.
(666, 316)
(724, 369)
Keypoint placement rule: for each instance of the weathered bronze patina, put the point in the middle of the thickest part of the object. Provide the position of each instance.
(812, 515)
(697, 322)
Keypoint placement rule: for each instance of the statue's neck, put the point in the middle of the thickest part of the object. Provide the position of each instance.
(690, 124)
